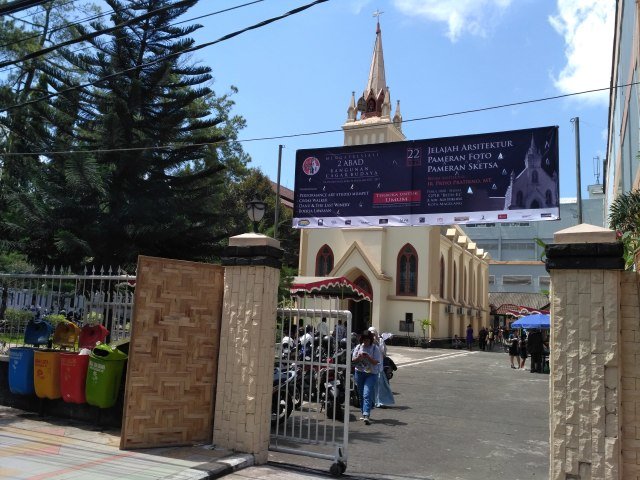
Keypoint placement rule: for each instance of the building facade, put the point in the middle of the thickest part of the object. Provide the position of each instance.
(515, 254)
(412, 273)
(623, 142)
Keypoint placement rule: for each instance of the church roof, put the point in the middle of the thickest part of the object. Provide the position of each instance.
(377, 80)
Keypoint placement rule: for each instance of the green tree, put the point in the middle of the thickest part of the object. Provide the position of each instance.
(130, 194)
(624, 217)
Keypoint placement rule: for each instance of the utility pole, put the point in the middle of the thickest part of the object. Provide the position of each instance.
(576, 122)
(277, 209)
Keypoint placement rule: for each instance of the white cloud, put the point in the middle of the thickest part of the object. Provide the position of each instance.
(587, 27)
(358, 5)
(461, 16)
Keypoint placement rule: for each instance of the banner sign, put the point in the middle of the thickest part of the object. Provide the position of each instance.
(492, 177)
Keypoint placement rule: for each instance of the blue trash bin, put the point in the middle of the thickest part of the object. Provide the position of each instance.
(21, 370)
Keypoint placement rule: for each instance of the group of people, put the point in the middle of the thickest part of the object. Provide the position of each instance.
(371, 381)
(487, 338)
(531, 344)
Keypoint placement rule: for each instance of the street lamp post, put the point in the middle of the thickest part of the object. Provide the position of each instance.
(255, 210)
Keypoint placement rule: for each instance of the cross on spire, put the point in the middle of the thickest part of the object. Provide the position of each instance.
(377, 14)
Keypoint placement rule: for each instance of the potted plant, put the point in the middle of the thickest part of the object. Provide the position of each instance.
(625, 220)
(425, 324)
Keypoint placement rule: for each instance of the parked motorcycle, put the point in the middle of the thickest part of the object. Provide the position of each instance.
(335, 382)
(282, 399)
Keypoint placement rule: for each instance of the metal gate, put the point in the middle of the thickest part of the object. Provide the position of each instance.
(313, 384)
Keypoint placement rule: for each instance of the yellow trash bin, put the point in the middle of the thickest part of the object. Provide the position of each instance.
(46, 373)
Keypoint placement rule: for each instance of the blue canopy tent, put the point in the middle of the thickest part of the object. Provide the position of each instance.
(537, 320)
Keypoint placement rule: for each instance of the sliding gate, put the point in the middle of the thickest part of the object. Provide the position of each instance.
(313, 385)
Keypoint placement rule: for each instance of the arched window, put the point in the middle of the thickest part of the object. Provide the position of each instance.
(535, 204)
(464, 285)
(547, 198)
(534, 177)
(324, 261)
(364, 284)
(442, 276)
(407, 281)
(519, 199)
(455, 281)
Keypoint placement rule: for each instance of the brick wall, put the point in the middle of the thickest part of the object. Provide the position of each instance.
(585, 375)
(245, 374)
(630, 375)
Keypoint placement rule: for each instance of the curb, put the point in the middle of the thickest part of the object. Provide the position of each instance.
(224, 466)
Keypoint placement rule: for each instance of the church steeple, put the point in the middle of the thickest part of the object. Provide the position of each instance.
(375, 104)
(376, 92)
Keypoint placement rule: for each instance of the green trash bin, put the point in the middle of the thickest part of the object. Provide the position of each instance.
(104, 375)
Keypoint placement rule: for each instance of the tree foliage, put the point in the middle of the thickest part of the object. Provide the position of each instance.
(624, 217)
(160, 151)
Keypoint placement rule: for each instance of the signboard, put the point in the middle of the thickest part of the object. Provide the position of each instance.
(494, 177)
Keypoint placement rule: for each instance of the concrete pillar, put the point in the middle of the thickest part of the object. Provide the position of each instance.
(247, 345)
(585, 264)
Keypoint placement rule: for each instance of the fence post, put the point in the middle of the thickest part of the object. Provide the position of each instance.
(586, 361)
(247, 350)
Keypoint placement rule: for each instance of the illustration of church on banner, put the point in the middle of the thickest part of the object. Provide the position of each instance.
(533, 188)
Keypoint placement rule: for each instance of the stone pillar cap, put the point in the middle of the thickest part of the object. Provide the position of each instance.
(253, 240)
(585, 233)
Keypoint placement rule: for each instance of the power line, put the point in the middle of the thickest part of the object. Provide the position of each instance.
(118, 38)
(165, 57)
(19, 5)
(97, 33)
(30, 15)
(56, 29)
(322, 132)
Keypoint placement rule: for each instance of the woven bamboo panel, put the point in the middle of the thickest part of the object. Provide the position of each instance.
(173, 355)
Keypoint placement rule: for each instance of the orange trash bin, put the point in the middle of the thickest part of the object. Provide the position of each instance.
(46, 374)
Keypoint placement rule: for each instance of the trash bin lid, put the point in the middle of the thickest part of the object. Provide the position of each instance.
(90, 335)
(108, 353)
(37, 332)
(66, 334)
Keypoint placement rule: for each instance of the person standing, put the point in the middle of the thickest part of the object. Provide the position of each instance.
(482, 338)
(513, 352)
(383, 394)
(535, 347)
(323, 328)
(367, 359)
(469, 337)
(340, 331)
(522, 348)
(491, 338)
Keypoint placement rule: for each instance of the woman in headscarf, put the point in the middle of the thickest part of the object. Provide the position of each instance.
(367, 359)
(383, 395)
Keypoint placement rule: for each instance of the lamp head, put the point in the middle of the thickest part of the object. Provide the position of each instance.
(255, 210)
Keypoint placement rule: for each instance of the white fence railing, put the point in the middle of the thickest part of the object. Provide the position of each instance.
(96, 296)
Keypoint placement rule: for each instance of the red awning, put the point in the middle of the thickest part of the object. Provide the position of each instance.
(338, 287)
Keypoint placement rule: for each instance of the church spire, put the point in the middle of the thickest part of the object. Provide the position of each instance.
(374, 108)
(377, 82)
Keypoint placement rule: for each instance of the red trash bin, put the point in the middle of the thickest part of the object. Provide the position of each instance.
(73, 377)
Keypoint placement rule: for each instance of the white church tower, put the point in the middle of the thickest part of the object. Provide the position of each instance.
(374, 124)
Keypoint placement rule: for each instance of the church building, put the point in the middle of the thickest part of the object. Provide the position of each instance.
(411, 273)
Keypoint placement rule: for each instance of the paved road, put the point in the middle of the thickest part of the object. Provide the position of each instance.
(458, 415)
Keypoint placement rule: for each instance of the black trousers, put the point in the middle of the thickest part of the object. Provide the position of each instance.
(536, 362)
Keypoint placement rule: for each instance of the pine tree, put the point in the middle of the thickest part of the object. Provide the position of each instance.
(155, 182)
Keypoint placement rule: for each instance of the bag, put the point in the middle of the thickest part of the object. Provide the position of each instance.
(37, 332)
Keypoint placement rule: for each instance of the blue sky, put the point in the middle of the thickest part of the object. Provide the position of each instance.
(297, 75)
